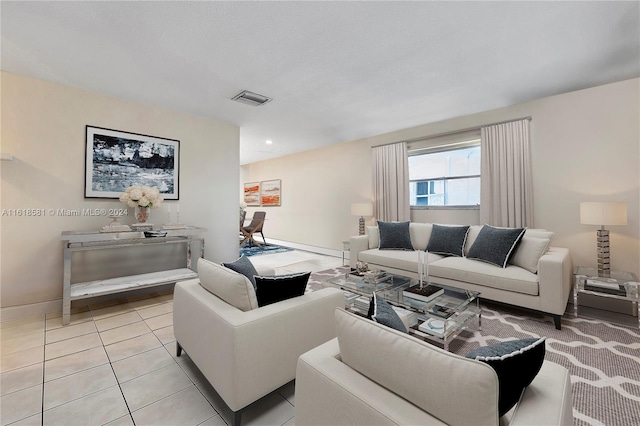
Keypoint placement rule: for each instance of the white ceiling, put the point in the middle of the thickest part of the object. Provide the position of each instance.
(337, 71)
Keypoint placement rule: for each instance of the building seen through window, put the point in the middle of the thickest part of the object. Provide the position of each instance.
(446, 177)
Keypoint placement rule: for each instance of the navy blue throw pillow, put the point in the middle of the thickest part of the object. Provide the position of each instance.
(448, 240)
(381, 312)
(496, 245)
(243, 266)
(394, 236)
(281, 287)
(516, 362)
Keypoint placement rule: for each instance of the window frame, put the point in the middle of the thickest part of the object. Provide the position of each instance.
(435, 145)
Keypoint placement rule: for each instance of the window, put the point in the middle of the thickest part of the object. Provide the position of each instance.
(445, 175)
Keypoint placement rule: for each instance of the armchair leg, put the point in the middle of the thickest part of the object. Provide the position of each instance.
(178, 349)
(237, 418)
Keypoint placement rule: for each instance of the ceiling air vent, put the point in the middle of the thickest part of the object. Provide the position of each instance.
(251, 98)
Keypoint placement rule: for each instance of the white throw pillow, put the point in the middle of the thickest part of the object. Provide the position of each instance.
(374, 236)
(228, 285)
(529, 252)
(420, 235)
(539, 233)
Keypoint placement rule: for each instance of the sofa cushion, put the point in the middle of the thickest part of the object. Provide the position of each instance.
(373, 233)
(394, 236)
(273, 289)
(420, 235)
(382, 313)
(516, 362)
(495, 245)
(243, 266)
(539, 233)
(474, 230)
(228, 285)
(511, 278)
(415, 370)
(448, 240)
(396, 259)
(529, 252)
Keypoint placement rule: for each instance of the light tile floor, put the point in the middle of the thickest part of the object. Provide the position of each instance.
(115, 364)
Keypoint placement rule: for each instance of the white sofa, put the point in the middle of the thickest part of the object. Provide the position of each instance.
(539, 279)
(373, 375)
(247, 352)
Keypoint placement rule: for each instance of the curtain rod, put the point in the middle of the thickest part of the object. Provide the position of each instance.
(468, 129)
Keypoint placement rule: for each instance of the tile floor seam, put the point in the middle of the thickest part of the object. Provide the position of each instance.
(164, 397)
(169, 396)
(209, 402)
(77, 398)
(43, 373)
(124, 398)
(146, 373)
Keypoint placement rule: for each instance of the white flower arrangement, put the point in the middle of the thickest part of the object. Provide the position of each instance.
(142, 196)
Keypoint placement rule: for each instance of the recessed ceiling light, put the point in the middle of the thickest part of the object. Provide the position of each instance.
(268, 142)
(251, 98)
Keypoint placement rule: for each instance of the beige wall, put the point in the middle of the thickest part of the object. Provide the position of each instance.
(585, 147)
(43, 127)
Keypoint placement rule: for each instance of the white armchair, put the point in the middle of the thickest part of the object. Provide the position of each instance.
(373, 375)
(245, 355)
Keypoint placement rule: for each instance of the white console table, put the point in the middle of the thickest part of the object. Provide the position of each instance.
(87, 241)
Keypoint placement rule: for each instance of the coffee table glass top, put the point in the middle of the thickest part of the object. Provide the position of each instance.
(452, 310)
(358, 285)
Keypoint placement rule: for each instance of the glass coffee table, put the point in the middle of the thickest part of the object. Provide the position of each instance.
(440, 320)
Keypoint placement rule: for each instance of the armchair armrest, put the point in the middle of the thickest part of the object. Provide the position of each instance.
(555, 273)
(547, 400)
(357, 244)
(328, 392)
(246, 355)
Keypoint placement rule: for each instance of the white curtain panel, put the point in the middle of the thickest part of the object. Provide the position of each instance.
(506, 194)
(391, 182)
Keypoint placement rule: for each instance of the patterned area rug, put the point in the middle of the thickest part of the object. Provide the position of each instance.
(266, 249)
(602, 358)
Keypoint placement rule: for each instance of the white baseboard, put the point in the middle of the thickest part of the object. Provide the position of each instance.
(22, 311)
(312, 249)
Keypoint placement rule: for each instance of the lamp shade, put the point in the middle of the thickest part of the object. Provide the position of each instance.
(362, 209)
(594, 213)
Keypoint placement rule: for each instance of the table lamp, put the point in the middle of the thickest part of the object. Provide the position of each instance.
(594, 213)
(362, 210)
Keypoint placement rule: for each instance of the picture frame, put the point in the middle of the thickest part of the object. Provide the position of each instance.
(270, 191)
(115, 160)
(252, 193)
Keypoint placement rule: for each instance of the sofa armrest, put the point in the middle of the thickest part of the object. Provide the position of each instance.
(357, 244)
(555, 273)
(547, 400)
(246, 355)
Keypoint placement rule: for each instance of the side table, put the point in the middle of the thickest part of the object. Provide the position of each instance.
(619, 285)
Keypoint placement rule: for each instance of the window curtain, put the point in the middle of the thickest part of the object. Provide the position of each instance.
(391, 182)
(506, 194)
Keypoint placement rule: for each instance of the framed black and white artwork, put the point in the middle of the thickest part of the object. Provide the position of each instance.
(116, 160)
